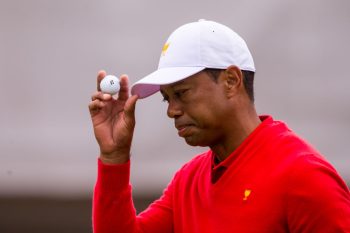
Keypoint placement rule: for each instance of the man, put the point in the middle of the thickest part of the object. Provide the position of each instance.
(258, 176)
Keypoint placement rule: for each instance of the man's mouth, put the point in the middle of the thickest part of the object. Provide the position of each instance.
(184, 129)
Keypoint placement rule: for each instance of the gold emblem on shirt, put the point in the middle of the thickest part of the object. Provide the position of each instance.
(246, 194)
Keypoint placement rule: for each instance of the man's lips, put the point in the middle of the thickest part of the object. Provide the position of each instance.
(183, 129)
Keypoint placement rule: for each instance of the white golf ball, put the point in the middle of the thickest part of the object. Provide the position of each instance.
(110, 85)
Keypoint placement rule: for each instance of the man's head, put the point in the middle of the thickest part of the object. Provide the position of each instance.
(205, 106)
(193, 48)
(205, 74)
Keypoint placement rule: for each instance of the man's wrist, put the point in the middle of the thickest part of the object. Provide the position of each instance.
(114, 160)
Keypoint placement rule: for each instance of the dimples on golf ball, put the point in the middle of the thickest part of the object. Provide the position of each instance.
(110, 85)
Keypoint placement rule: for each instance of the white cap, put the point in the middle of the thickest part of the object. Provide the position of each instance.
(190, 49)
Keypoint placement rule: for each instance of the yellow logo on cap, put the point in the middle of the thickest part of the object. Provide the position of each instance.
(165, 48)
(246, 194)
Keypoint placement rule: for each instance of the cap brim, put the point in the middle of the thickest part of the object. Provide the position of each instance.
(152, 82)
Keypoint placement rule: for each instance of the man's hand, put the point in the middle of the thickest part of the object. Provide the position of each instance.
(113, 121)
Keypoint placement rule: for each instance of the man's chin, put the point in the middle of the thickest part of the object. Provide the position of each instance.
(194, 142)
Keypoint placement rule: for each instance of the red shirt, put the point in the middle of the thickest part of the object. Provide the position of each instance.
(273, 182)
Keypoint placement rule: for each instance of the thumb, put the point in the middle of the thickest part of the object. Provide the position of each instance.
(129, 108)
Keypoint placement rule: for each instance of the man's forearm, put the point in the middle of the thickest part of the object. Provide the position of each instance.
(113, 209)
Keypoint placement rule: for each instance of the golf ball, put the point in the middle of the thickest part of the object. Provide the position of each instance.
(110, 85)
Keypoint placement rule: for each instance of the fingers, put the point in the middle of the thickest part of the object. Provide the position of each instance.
(130, 105)
(101, 96)
(95, 106)
(124, 88)
(98, 101)
(101, 74)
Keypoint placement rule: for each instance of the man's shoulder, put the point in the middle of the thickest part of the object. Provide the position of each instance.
(281, 139)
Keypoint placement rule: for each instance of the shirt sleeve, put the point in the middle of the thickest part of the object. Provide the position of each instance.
(113, 208)
(318, 199)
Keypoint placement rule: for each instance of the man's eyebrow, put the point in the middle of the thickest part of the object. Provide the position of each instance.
(172, 85)
(181, 82)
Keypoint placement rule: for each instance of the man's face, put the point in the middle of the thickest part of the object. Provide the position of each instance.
(198, 106)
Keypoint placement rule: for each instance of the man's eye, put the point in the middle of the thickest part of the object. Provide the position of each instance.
(180, 93)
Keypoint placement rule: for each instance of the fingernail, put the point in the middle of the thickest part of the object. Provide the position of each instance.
(106, 96)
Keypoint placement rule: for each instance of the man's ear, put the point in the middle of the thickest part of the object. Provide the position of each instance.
(233, 79)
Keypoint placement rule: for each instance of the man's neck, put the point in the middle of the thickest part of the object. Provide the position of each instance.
(244, 126)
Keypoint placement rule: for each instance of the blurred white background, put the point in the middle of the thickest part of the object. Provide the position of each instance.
(51, 51)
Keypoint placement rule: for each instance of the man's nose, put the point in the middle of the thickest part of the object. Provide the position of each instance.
(174, 109)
